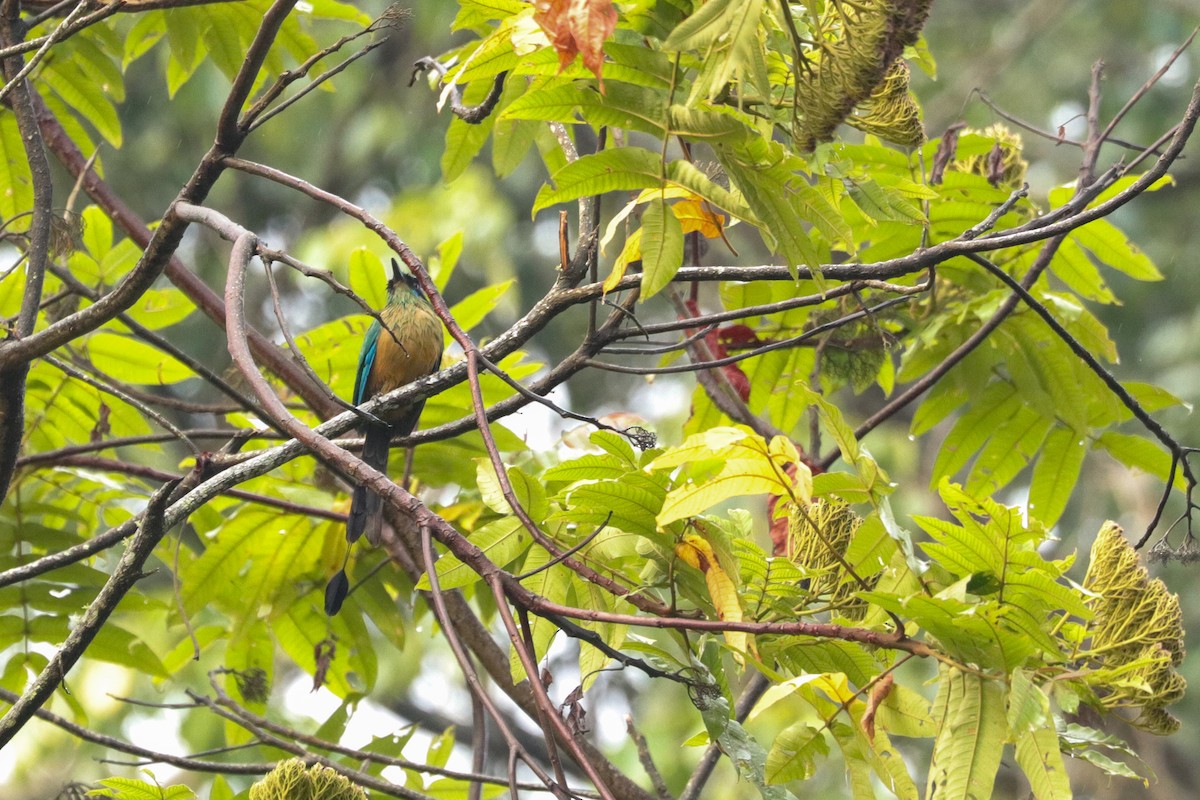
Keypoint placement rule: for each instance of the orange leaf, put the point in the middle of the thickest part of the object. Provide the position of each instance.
(577, 28)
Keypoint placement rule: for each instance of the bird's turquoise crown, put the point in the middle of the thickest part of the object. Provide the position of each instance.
(402, 275)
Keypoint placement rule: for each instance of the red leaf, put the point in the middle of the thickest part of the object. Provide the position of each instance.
(577, 28)
(738, 380)
(779, 526)
(737, 336)
(732, 372)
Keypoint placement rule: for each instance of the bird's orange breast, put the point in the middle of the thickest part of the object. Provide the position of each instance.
(409, 348)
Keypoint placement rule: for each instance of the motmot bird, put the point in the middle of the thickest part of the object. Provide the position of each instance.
(405, 348)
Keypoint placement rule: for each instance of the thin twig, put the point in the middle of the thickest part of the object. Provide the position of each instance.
(150, 756)
(108, 388)
(467, 668)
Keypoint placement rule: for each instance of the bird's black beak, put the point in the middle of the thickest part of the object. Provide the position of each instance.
(397, 276)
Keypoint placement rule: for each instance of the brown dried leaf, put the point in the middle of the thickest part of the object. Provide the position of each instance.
(574, 712)
(946, 151)
(577, 28)
(323, 655)
(879, 692)
(995, 164)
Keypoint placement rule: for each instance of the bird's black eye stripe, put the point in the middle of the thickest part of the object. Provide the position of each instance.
(408, 280)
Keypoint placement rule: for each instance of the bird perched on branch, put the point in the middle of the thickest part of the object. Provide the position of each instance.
(405, 348)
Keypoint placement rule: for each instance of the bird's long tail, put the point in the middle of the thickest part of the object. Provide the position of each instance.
(366, 507)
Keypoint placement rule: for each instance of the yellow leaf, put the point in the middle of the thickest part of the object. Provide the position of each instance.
(669, 192)
(783, 450)
(750, 466)
(695, 215)
(698, 553)
(630, 253)
(737, 479)
(695, 552)
(701, 446)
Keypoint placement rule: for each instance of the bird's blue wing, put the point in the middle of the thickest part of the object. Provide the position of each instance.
(366, 360)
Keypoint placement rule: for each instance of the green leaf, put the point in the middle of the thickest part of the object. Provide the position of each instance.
(662, 247)
(489, 57)
(1055, 475)
(1062, 194)
(227, 34)
(938, 404)
(473, 308)
(161, 308)
(749, 465)
(14, 174)
(332, 351)
(738, 478)
(118, 646)
(217, 575)
(132, 789)
(708, 123)
(996, 405)
(591, 467)
(1076, 270)
(80, 91)
(501, 540)
(1082, 742)
(1031, 729)
(1008, 450)
(767, 178)
(464, 140)
(709, 445)
(1110, 246)
(629, 168)
(511, 141)
(440, 747)
(187, 49)
(743, 750)
(807, 656)
(882, 205)
(905, 712)
(621, 106)
(96, 232)
(634, 503)
(1154, 398)
(1139, 453)
(147, 31)
(708, 24)
(134, 361)
(726, 31)
(368, 277)
(551, 582)
(529, 493)
(618, 169)
(302, 629)
(970, 715)
(442, 266)
(220, 789)
(794, 753)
